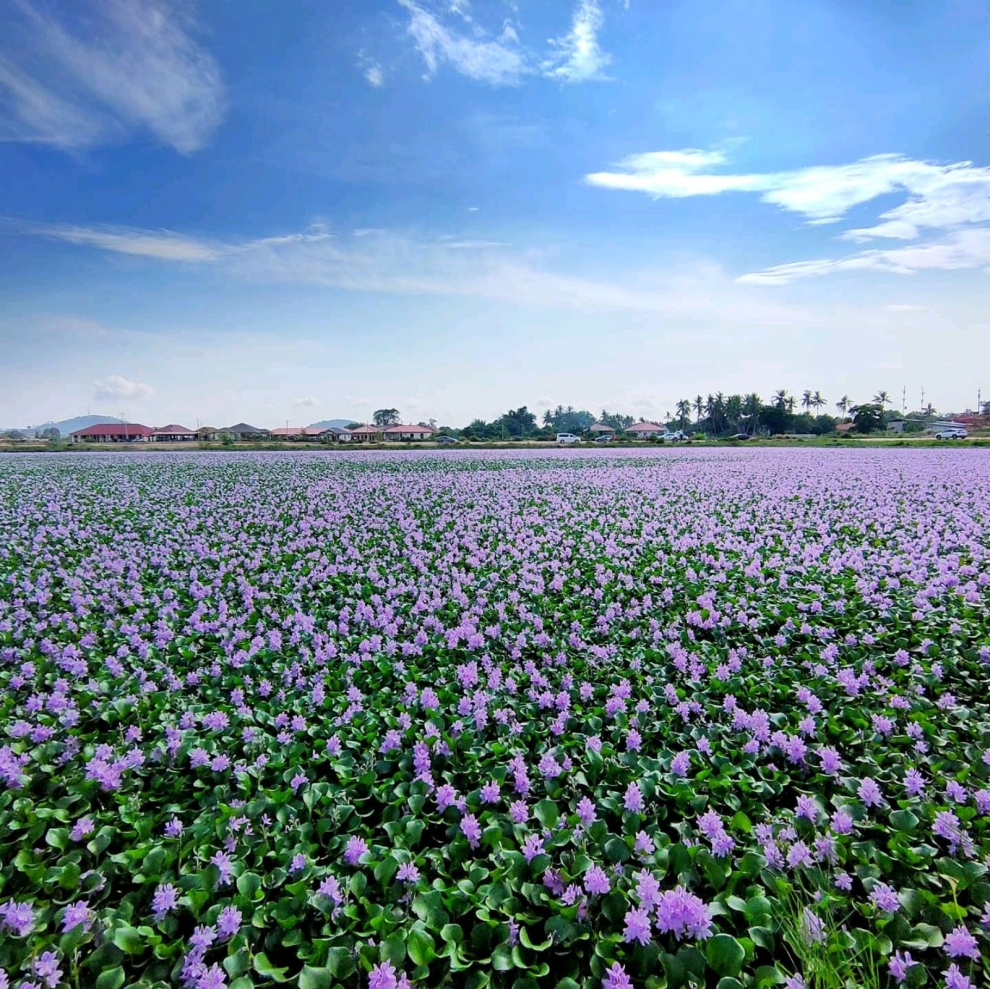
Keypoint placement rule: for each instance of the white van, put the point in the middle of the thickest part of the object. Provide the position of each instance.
(567, 439)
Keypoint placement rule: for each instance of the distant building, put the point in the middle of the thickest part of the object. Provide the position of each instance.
(601, 429)
(402, 433)
(310, 434)
(246, 432)
(207, 433)
(361, 434)
(645, 430)
(172, 434)
(944, 425)
(115, 432)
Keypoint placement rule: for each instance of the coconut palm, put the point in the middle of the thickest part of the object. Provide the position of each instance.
(817, 401)
(882, 399)
(806, 400)
(844, 404)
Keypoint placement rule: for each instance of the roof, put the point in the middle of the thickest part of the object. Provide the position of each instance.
(646, 427)
(300, 431)
(364, 429)
(602, 427)
(174, 429)
(243, 427)
(410, 429)
(115, 429)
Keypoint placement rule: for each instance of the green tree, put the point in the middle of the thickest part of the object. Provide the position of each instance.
(699, 408)
(868, 418)
(844, 404)
(684, 413)
(882, 399)
(806, 401)
(818, 402)
(383, 418)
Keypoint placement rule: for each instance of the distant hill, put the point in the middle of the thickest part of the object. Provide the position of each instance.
(327, 423)
(66, 426)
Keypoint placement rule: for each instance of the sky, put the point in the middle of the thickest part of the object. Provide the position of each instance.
(240, 211)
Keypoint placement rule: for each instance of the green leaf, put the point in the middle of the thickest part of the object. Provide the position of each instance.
(393, 949)
(501, 959)
(264, 967)
(725, 954)
(526, 942)
(112, 978)
(547, 813)
(420, 946)
(617, 850)
(248, 884)
(451, 932)
(904, 821)
(129, 940)
(315, 978)
(340, 961)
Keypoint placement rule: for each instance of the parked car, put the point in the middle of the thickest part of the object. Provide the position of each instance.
(951, 434)
(677, 436)
(567, 439)
(604, 438)
(446, 439)
(741, 436)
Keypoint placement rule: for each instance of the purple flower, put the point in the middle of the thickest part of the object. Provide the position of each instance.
(471, 829)
(518, 811)
(842, 823)
(812, 927)
(586, 812)
(46, 968)
(408, 873)
(532, 846)
(164, 900)
(638, 926)
(356, 847)
(490, 793)
(331, 889)
(870, 793)
(229, 922)
(596, 881)
(18, 918)
(616, 978)
(959, 943)
(76, 914)
(954, 979)
(884, 898)
(680, 764)
(383, 977)
(82, 829)
(899, 964)
(683, 914)
(634, 799)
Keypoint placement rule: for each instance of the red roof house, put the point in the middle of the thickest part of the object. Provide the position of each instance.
(113, 432)
(402, 433)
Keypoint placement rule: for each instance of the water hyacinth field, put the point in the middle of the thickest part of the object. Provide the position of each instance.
(592, 719)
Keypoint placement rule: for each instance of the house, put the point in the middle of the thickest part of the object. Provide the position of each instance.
(645, 431)
(113, 432)
(243, 431)
(207, 433)
(360, 434)
(944, 425)
(845, 427)
(172, 434)
(896, 425)
(601, 429)
(403, 433)
(309, 434)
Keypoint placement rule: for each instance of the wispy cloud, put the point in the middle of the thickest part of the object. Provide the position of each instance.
(116, 386)
(374, 76)
(497, 61)
(946, 203)
(306, 402)
(500, 59)
(579, 57)
(116, 66)
(384, 261)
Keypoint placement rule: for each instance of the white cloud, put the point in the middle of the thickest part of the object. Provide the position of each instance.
(389, 262)
(498, 62)
(306, 402)
(501, 60)
(116, 386)
(374, 76)
(136, 67)
(950, 200)
(578, 56)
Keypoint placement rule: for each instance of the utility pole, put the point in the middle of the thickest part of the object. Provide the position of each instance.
(922, 399)
(904, 400)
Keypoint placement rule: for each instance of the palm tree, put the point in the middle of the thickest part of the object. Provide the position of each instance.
(684, 412)
(699, 407)
(780, 399)
(806, 400)
(790, 404)
(817, 401)
(882, 399)
(844, 404)
(751, 406)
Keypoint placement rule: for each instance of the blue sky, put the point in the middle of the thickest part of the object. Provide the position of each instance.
(225, 211)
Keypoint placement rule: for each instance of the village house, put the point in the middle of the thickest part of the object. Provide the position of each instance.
(113, 432)
(172, 434)
(308, 434)
(404, 433)
(645, 430)
(601, 429)
(360, 434)
(244, 431)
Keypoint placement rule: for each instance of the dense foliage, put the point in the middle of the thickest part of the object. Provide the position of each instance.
(660, 719)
